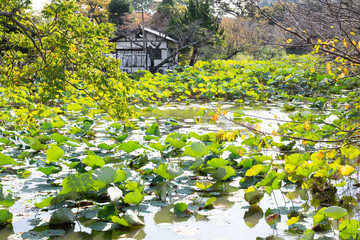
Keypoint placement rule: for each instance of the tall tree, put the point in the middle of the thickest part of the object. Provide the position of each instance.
(96, 10)
(198, 27)
(117, 10)
(331, 27)
(67, 56)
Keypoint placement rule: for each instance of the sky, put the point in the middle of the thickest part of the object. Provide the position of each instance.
(39, 4)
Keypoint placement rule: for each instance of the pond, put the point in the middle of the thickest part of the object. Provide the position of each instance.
(229, 216)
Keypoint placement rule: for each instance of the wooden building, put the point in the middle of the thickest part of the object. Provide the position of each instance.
(160, 49)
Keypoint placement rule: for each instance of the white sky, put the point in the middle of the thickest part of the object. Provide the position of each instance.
(38, 4)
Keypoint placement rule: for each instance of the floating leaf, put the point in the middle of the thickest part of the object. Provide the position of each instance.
(204, 185)
(252, 195)
(54, 153)
(120, 221)
(134, 197)
(132, 219)
(44, 203)
(168, 171)
(59, 138)
(104, 176)
(180, 208)
(6, 160)
(308, 235)
(49, 170)
(129, 146)
(106, 146)
(153, 130)
(196, 150)
(94, 161)
(223, 173)
(6, 198)
(217, 162)
(80, 182)
(158, 146)
(5, 216)
(293, 220)
(254, 170)
(209, 202)
(62, 216)
(176, 140)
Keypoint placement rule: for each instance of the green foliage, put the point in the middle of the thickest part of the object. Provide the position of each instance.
(94, 161)
(168, 171)
(134, 197)
(269, 52)
(6, 198)
(117, 10)
(69, 63)
(53, 154)
(6, 160)
(62, 216)
(180, 208)
(253, 195)
(5, 216)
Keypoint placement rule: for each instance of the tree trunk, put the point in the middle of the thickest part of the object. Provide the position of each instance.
(193, 56)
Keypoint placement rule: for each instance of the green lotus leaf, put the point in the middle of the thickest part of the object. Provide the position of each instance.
(223, 173)
(94, 161)
(134, 197)
(180, 208)
(6, 198)
(153, 130)
(168, 171)
(79, 182)
(158, 146)
(6, 160)
(253, 195)
(217, 162)
(106, 146)
(54, 153)
(335, 212)
(62, 216)
(104, 176)
(129, 146)
(5, 216)
(196, 150)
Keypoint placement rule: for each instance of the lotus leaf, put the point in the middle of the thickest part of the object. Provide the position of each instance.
(6, 198)
(54, 153)
(223, 173)
(5, 216)
(94, 161)
(134, 197)
(196, 150)
(168, 171)
(62, 216)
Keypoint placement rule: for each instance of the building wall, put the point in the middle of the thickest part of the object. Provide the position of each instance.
(132, 55)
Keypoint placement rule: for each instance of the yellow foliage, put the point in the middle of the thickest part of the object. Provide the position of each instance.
(346, 170)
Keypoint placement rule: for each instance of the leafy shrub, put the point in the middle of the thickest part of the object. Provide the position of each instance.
(269, 52)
